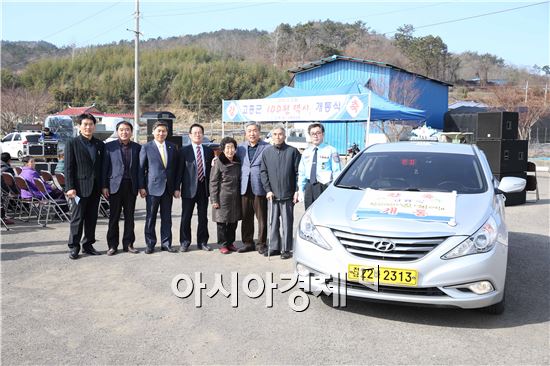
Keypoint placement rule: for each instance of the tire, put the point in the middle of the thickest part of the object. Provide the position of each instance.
(496, 309)
(20, 155)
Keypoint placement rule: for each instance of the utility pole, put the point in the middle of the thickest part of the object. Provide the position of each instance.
(136, 75)
(526, 90)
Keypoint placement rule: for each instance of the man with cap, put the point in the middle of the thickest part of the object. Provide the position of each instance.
(120, 186)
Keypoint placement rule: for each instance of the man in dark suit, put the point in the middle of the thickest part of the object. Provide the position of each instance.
(192, 183)
(120, 185)
(252, 192)
(158, 161)
(83, 160)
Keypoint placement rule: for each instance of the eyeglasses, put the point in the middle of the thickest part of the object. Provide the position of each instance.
(316, 133)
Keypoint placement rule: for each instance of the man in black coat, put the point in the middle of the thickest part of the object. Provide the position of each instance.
(120, 185)
(83, 160)
(192, 183)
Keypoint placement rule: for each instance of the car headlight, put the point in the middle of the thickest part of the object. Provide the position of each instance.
(482, 241)
(309, 232)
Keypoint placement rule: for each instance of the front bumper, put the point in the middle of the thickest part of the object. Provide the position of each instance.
(436, 277)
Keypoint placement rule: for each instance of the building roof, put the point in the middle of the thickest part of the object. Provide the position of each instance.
(318, 63)
(75, 111)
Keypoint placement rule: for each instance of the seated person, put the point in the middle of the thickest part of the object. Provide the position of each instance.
(47, 135)
(28, 172)
(60, 167)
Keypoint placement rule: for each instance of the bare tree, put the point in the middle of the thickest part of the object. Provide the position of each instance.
(402, 90)
(21, 105)
(531, 105)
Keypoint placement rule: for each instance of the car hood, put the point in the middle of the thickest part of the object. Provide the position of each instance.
(336, 206)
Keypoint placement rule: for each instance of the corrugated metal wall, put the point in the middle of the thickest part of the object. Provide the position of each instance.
(433, 96)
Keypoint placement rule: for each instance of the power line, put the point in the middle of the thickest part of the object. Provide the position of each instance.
(81, 20)
(472, 17)
(212, 11)
(123, 23)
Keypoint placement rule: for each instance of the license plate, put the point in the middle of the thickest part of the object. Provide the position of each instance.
(386, 276)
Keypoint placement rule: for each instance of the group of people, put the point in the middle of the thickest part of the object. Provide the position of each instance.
(247, 180)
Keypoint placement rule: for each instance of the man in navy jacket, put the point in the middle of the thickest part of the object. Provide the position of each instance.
(158, 161)
(120, 186)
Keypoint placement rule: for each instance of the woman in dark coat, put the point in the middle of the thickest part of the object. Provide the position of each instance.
(225, 194)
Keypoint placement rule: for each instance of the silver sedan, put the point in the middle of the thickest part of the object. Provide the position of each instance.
(418, 223)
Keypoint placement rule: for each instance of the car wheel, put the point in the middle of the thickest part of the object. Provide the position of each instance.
(20, 155)
(496, 309)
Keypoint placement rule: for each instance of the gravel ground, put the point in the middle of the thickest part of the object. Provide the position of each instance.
(121, 309)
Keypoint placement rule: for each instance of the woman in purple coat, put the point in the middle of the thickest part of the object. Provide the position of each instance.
(28, 172)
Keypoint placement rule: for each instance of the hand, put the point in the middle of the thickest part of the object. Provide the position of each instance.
(71, 193)
(216, 205)
(300, 196)
(142, 193)
(269, 196)
(106, 192)
(296, 197)
(177, 194)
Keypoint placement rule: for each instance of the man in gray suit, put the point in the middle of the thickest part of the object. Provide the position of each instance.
(120, 186)
(252, 192)
(158, 162)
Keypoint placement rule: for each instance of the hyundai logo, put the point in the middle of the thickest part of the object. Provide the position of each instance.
(384, 245)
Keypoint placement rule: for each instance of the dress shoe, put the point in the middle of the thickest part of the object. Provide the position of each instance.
(205, 247)
(286, 255)
(111, 251)
(149, 250)
(261, 248)
(246, 248)
(232, 247)
(168, 249)
(91, 251)
(184, 247)
(225, 250)
(74, 253)
(131, 249)
(271, 253)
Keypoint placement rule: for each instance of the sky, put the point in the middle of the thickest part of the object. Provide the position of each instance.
(517, 31)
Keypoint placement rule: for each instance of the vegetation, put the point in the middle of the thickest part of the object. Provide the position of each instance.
(197, 72)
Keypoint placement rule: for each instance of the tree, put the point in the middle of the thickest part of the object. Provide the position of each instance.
(402, 90)
(20, 105)
(531, 108)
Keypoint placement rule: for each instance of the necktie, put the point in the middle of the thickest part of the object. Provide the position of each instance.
(200, 168)
(313, 173)
(162, 155)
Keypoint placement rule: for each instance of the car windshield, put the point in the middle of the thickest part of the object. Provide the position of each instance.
(32, 138)
(415, 171)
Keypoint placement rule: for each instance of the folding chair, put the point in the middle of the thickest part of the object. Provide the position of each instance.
(13, 196)
(32, 202)
(532, 179)
(17, 170)
(46, 176)
(60, 180)
(104, 206)
(49, 202)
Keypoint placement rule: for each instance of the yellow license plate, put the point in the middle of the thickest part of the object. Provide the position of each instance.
(386, 276)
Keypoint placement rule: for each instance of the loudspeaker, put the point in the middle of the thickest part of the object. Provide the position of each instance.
(45, 166)
(497, 126)
(178, 140)
(151, 122)
(505, 156)
(36, 150)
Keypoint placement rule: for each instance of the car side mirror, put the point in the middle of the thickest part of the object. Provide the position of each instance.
(512, 184)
